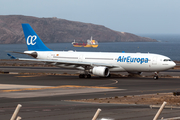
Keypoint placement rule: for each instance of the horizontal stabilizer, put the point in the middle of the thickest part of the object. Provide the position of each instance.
(12, 57)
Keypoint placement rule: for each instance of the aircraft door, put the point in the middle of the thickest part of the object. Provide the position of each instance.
(154, 61)
(49, 56)
(80, 58)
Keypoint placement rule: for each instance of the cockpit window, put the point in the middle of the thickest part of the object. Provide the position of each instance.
(167, 60)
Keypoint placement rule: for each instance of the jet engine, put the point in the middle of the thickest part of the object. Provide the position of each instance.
(100, 71)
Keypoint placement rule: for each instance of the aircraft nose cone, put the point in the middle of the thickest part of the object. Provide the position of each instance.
(173, 64)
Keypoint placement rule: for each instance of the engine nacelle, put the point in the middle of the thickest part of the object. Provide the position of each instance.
(100, 71)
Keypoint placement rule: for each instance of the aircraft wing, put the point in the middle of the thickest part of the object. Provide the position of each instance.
(70, 62)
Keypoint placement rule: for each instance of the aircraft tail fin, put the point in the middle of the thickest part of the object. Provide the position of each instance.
(32, 39)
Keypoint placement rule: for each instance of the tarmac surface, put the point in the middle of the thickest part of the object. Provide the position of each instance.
(46, 97)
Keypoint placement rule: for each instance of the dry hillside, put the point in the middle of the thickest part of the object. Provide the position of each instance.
(53, 30)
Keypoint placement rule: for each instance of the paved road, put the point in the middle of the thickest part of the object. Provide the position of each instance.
(42, 97)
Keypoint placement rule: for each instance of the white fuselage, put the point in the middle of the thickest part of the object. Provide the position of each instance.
(129, 62)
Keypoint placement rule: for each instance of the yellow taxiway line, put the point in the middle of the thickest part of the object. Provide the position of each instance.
(55, 87)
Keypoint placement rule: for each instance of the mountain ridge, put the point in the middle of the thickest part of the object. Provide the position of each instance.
(56, 30)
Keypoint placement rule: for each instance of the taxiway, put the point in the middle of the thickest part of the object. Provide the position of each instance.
(43, 97)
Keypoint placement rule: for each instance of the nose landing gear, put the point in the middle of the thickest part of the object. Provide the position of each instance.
(155, 76)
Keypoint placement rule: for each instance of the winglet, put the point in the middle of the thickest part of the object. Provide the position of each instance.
(32, 39)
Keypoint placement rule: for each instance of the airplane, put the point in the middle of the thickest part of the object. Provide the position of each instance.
(96, 63)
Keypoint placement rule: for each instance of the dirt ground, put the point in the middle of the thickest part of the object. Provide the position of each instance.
(149, 99)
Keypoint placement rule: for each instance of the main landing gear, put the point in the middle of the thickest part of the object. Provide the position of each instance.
(155, 76)
(84, 76)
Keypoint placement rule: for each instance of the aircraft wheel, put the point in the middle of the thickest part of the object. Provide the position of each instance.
(81, 76)
(155, 77)
(88, 76)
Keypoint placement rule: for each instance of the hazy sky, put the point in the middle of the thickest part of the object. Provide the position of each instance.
(133, 16)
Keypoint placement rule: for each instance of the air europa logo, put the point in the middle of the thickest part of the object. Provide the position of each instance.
(31, 40)
(132, 60)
